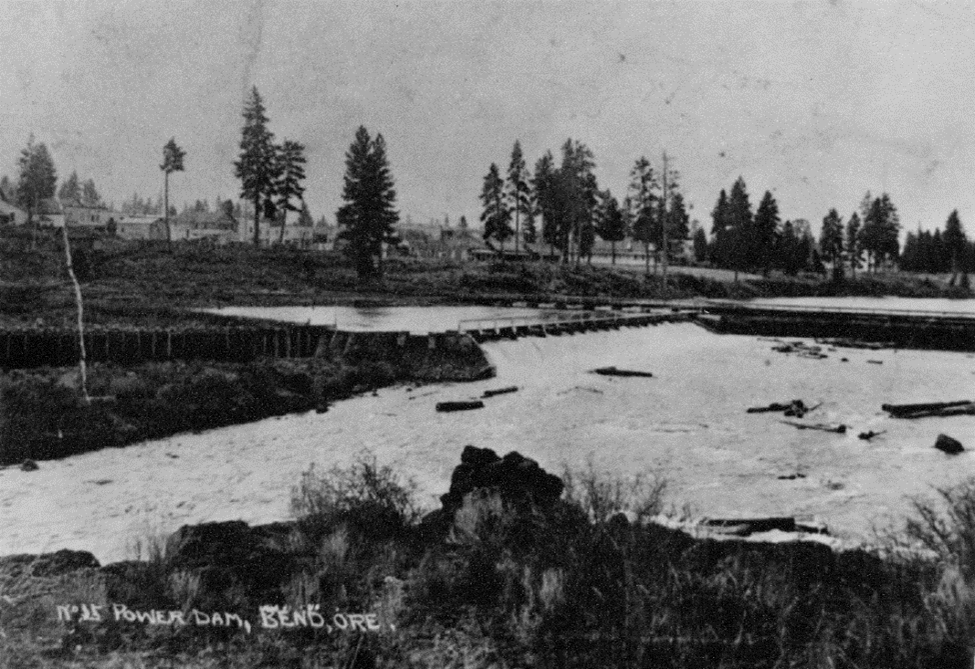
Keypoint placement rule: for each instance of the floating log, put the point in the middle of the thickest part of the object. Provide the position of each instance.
(870, 434)
(948, 445)
(823, 427)
(776, 406)
(959, 408)
(500, 391)
(459, 406)
(613, 371)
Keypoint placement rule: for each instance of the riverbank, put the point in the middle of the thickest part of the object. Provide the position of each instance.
(512, 570)
(43, 415)
(151, 285)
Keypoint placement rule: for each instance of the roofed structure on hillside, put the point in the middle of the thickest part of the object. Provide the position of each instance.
(81, 214)
(10, 214)
(140, 227)
(218, 227)
(49, 213)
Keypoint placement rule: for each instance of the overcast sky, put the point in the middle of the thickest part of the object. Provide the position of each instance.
(817, 102)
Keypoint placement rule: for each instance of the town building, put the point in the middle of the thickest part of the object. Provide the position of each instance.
(80, 215)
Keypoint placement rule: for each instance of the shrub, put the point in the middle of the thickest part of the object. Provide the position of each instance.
(370, 501)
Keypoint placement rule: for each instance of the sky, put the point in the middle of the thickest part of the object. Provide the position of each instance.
(817, 102)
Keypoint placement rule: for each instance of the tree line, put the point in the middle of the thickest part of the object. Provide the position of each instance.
(563, 198)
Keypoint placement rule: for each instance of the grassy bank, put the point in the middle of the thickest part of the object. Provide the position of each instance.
(150, 284)
(505, 581)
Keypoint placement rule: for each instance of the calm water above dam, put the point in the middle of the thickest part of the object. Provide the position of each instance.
(417, 320)
(880, 303)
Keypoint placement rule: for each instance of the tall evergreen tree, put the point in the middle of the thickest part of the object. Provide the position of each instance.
(37, 182)
(881, 228)
(518, 192)
(765, 228)
(546, 183)
(954, 241)
(172, 162)
(89, 194)
(291, 160)
(495, 215)
(70, 190)
(831, 243)
(699, 240)
(853, 244)
(257, 166)
(368, 215)
(678, 221)
(611, 224)
(580, 191)
(643, 197)
(739, 225)
(720, 252)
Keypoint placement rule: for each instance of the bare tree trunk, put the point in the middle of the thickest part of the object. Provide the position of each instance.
(257, 220)
(83, 372)
(612, 245)
(169, 233)
(517, 229)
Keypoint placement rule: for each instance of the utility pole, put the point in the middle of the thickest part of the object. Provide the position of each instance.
(663, 230)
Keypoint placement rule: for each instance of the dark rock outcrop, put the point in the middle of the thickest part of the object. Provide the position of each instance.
(515, 477)
(232, 553)
(47, 565)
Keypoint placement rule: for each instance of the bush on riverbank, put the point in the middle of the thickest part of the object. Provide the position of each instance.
(574, 584)
(42, 415)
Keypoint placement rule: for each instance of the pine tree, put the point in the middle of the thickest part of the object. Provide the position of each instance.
(720, 253)
(954, 241)
(495, 214)
(579, 193)
(831, 243)
(740, 227)
(291, 159)
(89, 194)
(304, 217)
(643, 198)
(546, 183)
(678, 221)
(853, 244)
(611, 224)
(518, 192)
(70, 190)
(699, 240)
(765, 228)
(368, 215)
(172, 162)
(37, 182)
(257, 166)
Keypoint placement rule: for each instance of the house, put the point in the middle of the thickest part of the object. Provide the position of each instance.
(11, 214)
(49, 214)
(295, 234)
(219, 228)
(140, 227)
(78, 214)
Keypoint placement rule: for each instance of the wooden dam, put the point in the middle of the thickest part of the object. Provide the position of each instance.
(240, 340)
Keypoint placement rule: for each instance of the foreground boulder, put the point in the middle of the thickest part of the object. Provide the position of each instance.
(47, 565)
(224, 555)
(948, 445)
(514, 477)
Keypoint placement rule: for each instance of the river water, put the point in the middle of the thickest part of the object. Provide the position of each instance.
(418, 320)
(965, 306)
(688, 424)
